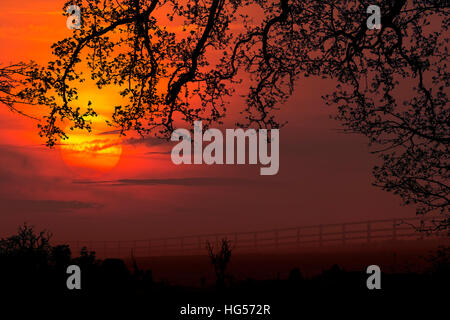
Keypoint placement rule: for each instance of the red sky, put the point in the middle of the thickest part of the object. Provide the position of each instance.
(324, 177)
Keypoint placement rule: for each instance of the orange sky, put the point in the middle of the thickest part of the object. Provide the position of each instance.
(324, 176)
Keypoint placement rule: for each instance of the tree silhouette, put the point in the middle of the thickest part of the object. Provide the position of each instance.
(220, 258)
(11, 77)
(27, 241)
(24, 259)
(391, 83)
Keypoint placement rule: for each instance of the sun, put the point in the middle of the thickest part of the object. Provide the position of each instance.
(91, 153)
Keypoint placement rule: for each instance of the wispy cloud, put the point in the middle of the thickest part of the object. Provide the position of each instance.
(147, 141)
(111, 132)
(197, 181)
(151, 153)
(32, 12)
(46, 206)
(92, 146)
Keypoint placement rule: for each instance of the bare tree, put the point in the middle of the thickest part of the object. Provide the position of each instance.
(220, 259)
(391, 83)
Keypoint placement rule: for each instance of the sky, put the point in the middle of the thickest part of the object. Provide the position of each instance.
(136, 192)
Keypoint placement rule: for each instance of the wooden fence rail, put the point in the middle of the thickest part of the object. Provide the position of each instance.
(276, 239)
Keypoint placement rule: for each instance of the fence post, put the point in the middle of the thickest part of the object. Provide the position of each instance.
(369, 231)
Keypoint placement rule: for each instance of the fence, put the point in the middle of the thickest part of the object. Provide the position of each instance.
(276, 239)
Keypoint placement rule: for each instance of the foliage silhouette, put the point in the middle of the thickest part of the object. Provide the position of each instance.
(12, 77)
(391, 83)
(24, 258)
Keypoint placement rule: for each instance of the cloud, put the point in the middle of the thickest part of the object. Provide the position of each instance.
(92, 146)
(14, 161)
(188, 182)
(151, 153)
(147, 141)
(27, 174)
(46, 206)
(32, 12)
(107, 133)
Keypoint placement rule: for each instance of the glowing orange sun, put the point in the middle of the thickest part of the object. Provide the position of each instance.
(89, 153)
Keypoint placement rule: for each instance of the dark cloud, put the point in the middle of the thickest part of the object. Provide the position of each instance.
(147, 141)
(46, 206)
(13, 155)
(106, 133)
(151, 153)
(24, 185)
(173, 182)
(14, 165)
